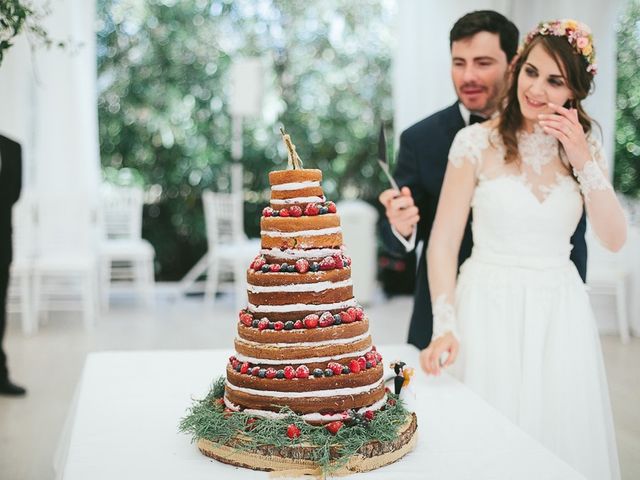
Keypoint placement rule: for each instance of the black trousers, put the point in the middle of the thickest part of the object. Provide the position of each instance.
(4, 284)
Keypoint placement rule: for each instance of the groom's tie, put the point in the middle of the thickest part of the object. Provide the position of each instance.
(473, 118)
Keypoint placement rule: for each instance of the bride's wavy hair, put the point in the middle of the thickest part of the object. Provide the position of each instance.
(579, 80)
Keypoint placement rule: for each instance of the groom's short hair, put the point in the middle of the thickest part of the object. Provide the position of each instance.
(487, 21)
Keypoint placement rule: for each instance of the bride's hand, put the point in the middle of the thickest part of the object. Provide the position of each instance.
(430, 356)
(565, 127)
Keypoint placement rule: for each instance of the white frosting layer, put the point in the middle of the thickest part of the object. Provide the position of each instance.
(301, 233)
(309, 417)
(312, 393)
(295, 253)
(295, 185)
(322, 343)
(299, 361)
(287, 201)
(300, 287)
(301, 307)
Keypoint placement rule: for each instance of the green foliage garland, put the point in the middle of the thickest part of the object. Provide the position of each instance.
(207, 419)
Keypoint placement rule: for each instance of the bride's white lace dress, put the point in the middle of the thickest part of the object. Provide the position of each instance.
(529, 343)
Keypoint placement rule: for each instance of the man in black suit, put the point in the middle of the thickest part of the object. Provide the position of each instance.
(482, 43)
(10, 184)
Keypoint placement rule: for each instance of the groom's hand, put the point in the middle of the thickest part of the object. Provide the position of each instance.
(400, 209)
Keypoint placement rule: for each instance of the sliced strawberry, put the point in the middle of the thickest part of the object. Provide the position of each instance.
(302, 371)
(326, 319)
(327, 263)
(295, 211)
(333, 427)
(354, 366)
(311, 209)
(346, 317)
(289, 372)
(293, 431)
(311, 321)
(336, 368)
(302, 265)
(246, 319)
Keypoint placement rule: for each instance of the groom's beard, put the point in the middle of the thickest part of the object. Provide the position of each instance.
(480, 98)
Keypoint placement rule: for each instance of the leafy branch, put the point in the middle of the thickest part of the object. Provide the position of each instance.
(18, 16)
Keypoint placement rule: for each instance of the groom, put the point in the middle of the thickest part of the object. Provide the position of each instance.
(482, 43)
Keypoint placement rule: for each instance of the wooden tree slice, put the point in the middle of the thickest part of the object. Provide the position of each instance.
(296, 460)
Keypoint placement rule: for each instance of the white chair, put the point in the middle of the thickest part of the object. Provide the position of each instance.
(609, 273)
(20, 298)
(65, 268)
(126, 259)
(229, 250)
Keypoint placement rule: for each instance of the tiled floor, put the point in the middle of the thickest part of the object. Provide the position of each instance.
(49, 364)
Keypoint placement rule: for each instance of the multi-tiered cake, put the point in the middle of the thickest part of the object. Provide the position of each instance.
(304, 356)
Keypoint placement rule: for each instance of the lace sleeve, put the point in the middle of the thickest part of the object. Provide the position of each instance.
(593, 176)
(467, 147)
(444, 318)
(597, 154)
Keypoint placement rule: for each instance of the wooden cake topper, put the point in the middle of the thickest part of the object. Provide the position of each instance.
(294, 160)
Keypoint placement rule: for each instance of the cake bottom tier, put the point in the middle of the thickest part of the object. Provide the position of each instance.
(297, 460)
(306, 404)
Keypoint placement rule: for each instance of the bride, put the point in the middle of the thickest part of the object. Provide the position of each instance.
(518, 323)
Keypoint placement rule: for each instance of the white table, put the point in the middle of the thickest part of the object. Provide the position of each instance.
(124, 425)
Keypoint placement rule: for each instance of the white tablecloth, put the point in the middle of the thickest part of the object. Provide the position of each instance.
(123, 425)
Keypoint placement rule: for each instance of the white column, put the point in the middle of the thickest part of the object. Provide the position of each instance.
(48, 103)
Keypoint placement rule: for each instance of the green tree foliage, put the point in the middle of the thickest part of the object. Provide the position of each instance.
(627, 147)
(163, 102)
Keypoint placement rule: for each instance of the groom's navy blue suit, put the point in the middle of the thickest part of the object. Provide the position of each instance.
(422, 161)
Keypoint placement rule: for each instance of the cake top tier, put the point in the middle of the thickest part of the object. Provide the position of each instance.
(281, 177)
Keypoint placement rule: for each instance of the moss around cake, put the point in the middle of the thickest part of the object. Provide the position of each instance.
(304, 392)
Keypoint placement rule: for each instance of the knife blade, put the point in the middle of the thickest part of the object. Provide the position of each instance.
(382, 158)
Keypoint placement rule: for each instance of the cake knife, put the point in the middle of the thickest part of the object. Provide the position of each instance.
(382, 158)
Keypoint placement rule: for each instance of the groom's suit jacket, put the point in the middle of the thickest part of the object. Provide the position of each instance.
(422, 161)
(10, 183)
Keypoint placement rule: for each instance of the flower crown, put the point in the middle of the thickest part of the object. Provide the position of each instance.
(578, 35)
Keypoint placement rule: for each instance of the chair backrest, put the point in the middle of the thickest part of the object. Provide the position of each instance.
(66, 224)
(24, 227)
(121, 212)
(224, 224)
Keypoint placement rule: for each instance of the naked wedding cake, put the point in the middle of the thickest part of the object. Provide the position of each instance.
(304, 391)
